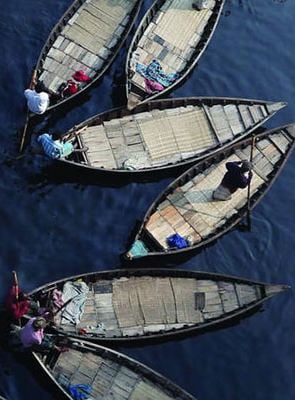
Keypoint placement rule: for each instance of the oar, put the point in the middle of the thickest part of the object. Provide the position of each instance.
(15, 284)
(21, 147)
(249, 186)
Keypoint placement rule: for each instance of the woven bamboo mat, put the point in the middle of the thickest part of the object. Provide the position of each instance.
(184, 291)
(187, 20)
(171, 134)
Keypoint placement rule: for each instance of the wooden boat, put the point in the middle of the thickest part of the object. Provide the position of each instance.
(110, 374)
(87, 37)
(177, 50)
(164, 134)
(144, 304)
(186, 206)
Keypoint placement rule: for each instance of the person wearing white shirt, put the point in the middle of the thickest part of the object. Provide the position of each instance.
(37, 98)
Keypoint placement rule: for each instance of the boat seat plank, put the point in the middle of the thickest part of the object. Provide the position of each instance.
(222, 126)
(234, 119)
(271, 153)
(228, 296)
(246, 115)
(281, 142)
(256, 113)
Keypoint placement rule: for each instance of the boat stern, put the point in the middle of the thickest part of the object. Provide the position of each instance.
(137, 250)
(133, 101)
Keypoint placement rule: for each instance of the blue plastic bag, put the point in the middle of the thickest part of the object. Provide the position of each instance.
(177, 241)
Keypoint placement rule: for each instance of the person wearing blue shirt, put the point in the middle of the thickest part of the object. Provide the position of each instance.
(55, 148)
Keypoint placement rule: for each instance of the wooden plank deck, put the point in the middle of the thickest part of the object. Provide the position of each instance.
(162, 42)
(195, 206)
(86, 41)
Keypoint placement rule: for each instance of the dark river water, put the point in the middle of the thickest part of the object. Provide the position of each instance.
(54, 226)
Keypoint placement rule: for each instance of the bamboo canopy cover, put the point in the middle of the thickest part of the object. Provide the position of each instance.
(164, 134)
(186, 206)
(87, 38)
(109, 374)
(144, 304)
(174, 34)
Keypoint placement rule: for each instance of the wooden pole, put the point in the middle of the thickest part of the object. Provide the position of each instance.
(249, 186)
(31, 86)
(15, 284)
(74, 133)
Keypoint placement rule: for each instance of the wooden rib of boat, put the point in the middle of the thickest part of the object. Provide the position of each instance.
(87, 37)
(110, 374)
(144, 304)
(186, 206)
(177, 50)
(165, 134)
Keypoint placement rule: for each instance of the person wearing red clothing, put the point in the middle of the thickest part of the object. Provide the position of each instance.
(18, 304)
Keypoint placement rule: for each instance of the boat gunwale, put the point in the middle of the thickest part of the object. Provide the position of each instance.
(165, 273)
(55, 32)
(146, 19)
(233, 220)
(120, 112)
(154, 377)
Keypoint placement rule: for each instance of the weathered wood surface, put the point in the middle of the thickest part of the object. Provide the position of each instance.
(140, 305)
(164, 137)
(110, 375)
(158, 39)
(188, 208)
(85, 39)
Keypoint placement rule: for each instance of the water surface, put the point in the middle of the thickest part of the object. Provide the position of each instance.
(52, 227)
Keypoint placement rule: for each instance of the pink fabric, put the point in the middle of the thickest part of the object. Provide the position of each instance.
(57, 298)
(152, 86)
(29, 336)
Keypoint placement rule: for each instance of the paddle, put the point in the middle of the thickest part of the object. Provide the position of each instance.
(249, 187)
(32, 82)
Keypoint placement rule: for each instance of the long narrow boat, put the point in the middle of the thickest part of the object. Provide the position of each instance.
(106, 374)
(164, 134)
(87, 37)
(186, 206)
(144, 304)
(174, 35)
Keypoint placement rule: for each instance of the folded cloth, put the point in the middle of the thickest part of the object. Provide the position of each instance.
(151, 86)
(80, 391)
(80, 76)
(75, 295)
(154, 72)
(221, 193)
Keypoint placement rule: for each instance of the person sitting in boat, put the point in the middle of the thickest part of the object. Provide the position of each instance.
(18, 304)
(37, 97)
(55, 148)
(32, 336)
(234, 179)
